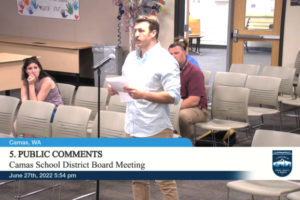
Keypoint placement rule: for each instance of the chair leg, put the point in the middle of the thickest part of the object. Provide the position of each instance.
(280, 119)
(228, 193)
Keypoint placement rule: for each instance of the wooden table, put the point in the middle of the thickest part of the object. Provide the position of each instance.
(10, 70)
(198, 41)
(58, 56)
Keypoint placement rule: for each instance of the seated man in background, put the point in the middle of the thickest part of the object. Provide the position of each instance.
(194, 105)
(184, 43)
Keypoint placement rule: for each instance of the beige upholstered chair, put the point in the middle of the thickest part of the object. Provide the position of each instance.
(249, 69)
(111, 124)
(268, 188)
(70, 122)
(287, 75)
(263, 99)
(34, 118)
(67, 92)
(114, 104)
(87, 96)
(229, 109)
(8, 107)
(228, 79)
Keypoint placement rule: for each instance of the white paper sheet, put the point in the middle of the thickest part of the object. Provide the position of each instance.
(118, 83)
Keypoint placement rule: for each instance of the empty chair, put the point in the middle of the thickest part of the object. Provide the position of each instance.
(34, 118)
(70, 121)
(8, 107)
(268, 188)
(249, 69)
(111, 124)
(87, 96)
(114, 104)
(230, 79)
(207, 76)
(263, 99)
(286, 74)
(67, 92)
(229, 109)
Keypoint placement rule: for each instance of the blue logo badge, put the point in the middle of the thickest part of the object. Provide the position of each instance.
(282, 162)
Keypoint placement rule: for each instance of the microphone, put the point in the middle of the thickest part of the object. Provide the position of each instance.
(104, 61)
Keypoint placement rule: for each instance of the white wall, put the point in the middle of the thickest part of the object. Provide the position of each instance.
(291, 44)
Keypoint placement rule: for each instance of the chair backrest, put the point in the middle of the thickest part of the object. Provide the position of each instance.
(114, 104)
(174, 115)
(230, 79)
(87, 96)
(111, 124)
(249, 69)
(70, 121)
(263, 90)
(207, 75)
(34, 118)
(8, 107)
(286, 74)
(67, 92)
(230, 102)
(275, 138)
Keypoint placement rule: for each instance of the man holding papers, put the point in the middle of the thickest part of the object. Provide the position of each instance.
(153, 82)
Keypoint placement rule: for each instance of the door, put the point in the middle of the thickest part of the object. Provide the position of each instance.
(256, 31)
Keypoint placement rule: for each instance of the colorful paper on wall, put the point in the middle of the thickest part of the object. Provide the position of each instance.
(61, 9)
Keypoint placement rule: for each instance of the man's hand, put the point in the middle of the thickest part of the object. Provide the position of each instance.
(111, 90)
(135, 93)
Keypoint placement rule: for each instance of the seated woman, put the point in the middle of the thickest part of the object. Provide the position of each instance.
(37, 84)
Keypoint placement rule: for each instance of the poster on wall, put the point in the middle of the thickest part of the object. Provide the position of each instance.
(62, 9)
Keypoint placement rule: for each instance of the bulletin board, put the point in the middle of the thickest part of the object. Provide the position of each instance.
(62, 9)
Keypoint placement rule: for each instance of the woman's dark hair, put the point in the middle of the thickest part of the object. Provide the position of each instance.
(27, 62)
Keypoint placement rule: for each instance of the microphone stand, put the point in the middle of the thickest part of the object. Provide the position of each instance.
(98, 126)
(98, 68)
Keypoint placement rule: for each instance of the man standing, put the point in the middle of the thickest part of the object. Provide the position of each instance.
(194, 105)
(154, 80)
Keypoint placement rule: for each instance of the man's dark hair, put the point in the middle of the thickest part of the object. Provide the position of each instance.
(176, 44)
(153, 22)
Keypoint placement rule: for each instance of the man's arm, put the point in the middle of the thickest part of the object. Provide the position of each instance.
(156, 97)
(190, 102)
